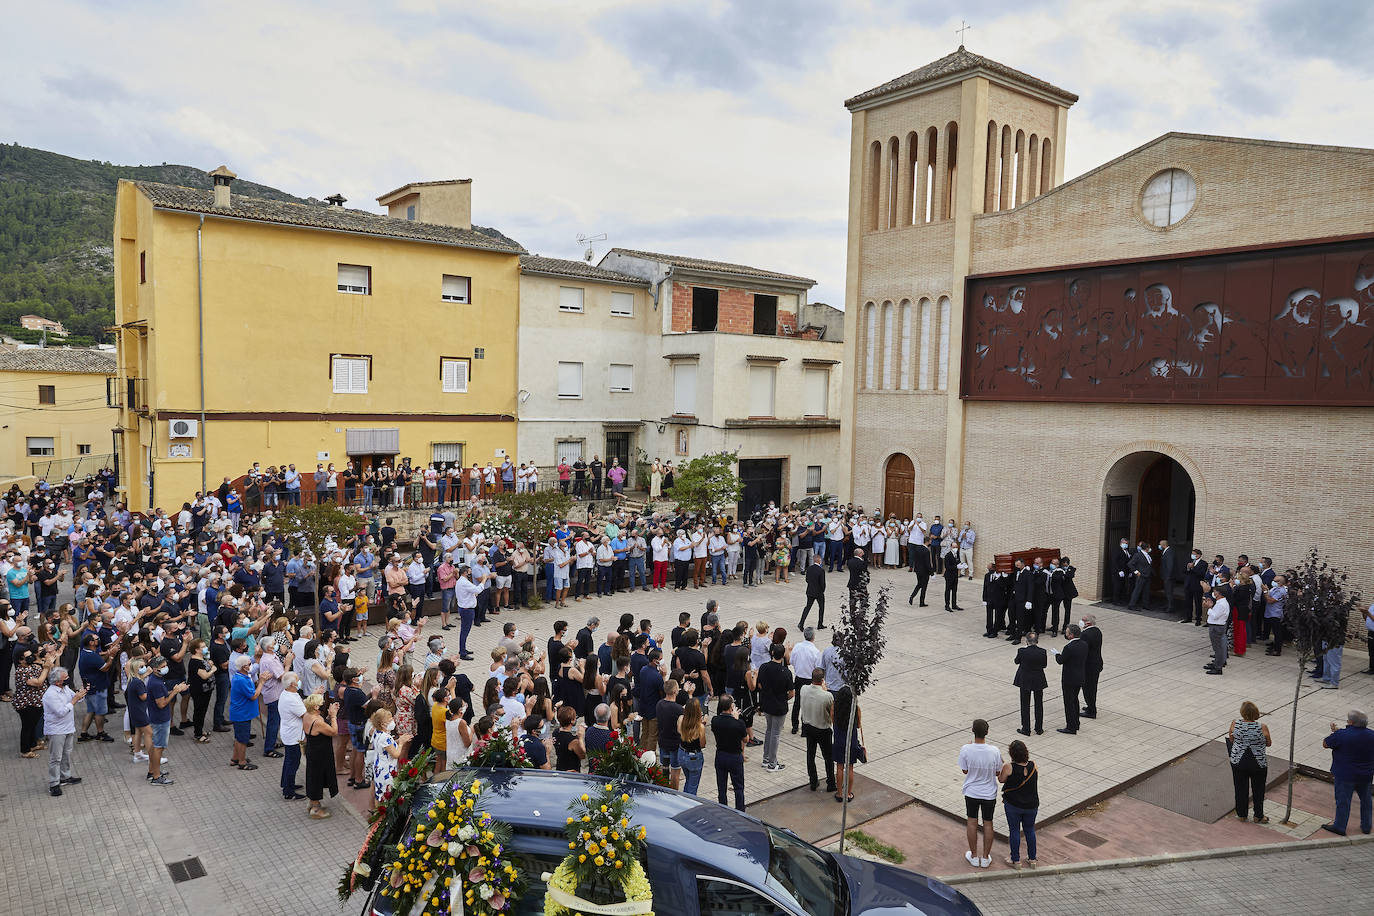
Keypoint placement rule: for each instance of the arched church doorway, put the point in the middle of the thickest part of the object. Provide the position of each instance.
(899, 487)
(1149, 496)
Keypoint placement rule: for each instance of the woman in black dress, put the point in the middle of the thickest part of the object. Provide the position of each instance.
(568, 750)
(845, 740)
(201, 677)
(593, 689)
(319, 754)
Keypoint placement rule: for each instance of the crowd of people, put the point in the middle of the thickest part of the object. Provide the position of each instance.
(206, 621)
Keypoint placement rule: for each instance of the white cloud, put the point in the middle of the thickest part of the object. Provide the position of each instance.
(714, 129)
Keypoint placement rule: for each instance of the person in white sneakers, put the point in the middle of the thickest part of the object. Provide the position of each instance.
(982, 766)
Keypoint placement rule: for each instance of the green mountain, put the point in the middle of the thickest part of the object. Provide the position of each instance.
(56, 219)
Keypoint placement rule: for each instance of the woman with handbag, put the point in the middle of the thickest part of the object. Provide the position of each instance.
(1021, 801)
(847, 742)
(1246, 742)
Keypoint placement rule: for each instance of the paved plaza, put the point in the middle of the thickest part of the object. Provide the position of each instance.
(103, 846)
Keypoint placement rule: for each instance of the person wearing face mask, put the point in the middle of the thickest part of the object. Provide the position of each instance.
(59, 725)
(201, 681)
(1121, 571)
(17, 581)
(160, 699)
(1196, 577)
(1141, 570)
(1056, 588)
(1168, 572)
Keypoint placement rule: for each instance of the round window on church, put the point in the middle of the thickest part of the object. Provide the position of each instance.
(1168, 197)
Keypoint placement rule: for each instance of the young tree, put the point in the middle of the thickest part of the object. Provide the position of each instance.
(1316, 615)
(861, 644)
(707, 484)
(531, 516)
(312, 526)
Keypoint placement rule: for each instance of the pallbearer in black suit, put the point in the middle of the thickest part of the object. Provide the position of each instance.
(1021, 603)
(920, 558)
(1031, 661)
(994, 596)
(1070, 589)
(1141, 569)
(1056, 596)
(1092, 637)
(1121, 570)
(815, 592)
(951, 567)
(1040, 595)
(1168, 571)
(1074, 659)
(1195, 576)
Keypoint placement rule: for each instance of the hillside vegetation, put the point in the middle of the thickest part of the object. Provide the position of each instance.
(56, 223)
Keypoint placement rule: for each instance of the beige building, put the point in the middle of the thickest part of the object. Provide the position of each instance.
(54, 417)
(650, 356)
(1176, 343)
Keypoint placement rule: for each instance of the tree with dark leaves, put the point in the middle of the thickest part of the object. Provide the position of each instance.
(1316, 614)
(860, 643)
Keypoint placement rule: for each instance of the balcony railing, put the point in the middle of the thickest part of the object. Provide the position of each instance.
(131, 393)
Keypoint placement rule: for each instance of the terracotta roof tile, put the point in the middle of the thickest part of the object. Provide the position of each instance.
(577, 270)
(58, 359)
(720, 267)
(961, 61)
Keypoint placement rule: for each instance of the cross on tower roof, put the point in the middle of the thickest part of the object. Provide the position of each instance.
(963, 27)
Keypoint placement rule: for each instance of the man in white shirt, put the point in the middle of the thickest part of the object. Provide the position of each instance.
(682, 559)
(806, 658)
(59, 727)
(465, 592)
(1218, 616)
(834, 539)
(981, 763)
(292, 733)
(585, 558)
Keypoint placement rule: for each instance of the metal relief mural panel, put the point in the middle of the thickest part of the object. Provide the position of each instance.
(1291, 326)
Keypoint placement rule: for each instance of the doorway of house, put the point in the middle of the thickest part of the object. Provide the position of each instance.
(762, 479)
(899, 487)
(618, 447)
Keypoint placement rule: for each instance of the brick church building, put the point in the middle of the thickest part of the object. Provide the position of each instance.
(1178, 343)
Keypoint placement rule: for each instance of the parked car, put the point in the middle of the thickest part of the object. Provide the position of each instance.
(703, 859)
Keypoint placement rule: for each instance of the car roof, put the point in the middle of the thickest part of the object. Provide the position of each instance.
(716, 836)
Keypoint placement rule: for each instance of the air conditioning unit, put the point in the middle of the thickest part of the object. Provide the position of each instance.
(184, 429)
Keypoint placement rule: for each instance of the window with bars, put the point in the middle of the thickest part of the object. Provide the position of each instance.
(456, 289)
(813, 478)
(622, 377)
(355, 279)
(453, 373)
(448, 452)
(350, 373)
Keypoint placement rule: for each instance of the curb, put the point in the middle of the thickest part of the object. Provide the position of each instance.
(1167, 858)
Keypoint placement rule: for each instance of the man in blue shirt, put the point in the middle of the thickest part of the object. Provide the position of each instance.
(274, 578)
(246, 577)
(94, 669)
(243, 709)
(1352, 766)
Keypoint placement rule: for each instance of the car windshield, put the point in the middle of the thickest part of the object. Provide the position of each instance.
(809, 878)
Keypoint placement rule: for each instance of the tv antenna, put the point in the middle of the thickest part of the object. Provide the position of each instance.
(587, 241)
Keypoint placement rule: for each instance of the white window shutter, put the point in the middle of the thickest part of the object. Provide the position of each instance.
(622, 304)
(762, 382)
(622, 377)
(817, 392)
(685, 389)
(354, 278)
(359, 384)
(455, 375)
(570, 298)
(455, 288)
(570, 380)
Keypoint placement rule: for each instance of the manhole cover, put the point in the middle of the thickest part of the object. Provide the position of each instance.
(1085, 838)
(187, 870)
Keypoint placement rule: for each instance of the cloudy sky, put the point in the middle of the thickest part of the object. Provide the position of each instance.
(711, 128)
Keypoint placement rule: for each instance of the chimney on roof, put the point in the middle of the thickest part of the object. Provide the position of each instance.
(222, 178)
(446, 203)
(336, 200)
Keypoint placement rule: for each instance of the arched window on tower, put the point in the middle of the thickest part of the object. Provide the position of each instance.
(870, 342)
(946, 314)
(1018, 165)
(951, 168)
(875, 177)
(904, 380)
(924, 346)
(1033, 167)
(893, 151)
(932, 160)
(1046, 166)
(1004, 170)
(889, 345)
(909, 179)
(990, 176)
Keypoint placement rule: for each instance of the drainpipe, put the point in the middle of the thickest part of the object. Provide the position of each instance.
(200, 345)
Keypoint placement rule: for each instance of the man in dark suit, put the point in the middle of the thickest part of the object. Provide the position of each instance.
(1074, 659)
(1021, 603)
(1121, 570)
(1092, 637)
(1141, 568)
(1194, 576)
(920, 559)
(1168, 572)
(993, 595)
(1031, 661)
(951, 573)
(1040, 595)
(858, 573)
(815, 592)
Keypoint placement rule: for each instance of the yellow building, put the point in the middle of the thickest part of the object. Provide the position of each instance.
(53, 412)
(258, 330)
